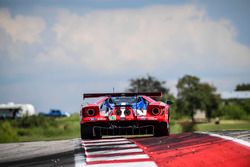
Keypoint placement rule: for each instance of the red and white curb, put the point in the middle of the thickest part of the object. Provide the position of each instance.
(112, 152)
(236, 140)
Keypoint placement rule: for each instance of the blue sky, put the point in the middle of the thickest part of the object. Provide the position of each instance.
(53, 51)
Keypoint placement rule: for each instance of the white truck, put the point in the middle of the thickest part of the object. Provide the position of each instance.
(12, 110)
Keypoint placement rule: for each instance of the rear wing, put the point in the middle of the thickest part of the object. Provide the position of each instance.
(94, 95)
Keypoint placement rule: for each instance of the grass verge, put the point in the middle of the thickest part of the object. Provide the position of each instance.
(38, 128)
(224, 125)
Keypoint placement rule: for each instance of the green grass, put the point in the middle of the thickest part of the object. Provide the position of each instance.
(175, 129)
(224, 125)
(187, 126)
(39, 128)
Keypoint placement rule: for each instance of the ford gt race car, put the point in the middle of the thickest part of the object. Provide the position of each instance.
(124, 114)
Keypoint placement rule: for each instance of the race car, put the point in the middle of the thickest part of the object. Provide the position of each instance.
(124, 114)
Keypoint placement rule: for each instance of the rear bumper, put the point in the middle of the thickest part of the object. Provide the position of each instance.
(97, 120)
(142, 130)
(124, 127)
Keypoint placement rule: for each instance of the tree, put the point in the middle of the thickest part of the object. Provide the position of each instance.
(147, 84)
(194, 95)
(243, 87)
(210, 99)
(150, 84)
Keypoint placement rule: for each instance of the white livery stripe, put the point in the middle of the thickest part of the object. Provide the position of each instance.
(124, 157)
(132, 150)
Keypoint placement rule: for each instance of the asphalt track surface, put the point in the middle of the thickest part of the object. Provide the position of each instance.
(227, 149)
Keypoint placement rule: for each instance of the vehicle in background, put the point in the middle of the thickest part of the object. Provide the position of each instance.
(55, 113)
(124, 114)
(13, 111)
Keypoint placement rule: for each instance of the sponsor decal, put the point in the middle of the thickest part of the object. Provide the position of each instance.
(141, 112)
(92, 119)
(142, 118)
(122, 118)
(112, 117)
(151, 118)
(147, 118)
(101, 119)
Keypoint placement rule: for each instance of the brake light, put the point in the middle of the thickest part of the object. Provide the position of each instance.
(127, 112)
(155, 111)
(90, 112)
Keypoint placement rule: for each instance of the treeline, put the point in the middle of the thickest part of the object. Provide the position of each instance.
(194, 95)
(243, 87)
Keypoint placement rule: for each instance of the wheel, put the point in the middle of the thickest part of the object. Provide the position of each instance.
(88, 133)
(161, 129)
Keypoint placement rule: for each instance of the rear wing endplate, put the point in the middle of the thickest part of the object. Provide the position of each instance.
(94, 95)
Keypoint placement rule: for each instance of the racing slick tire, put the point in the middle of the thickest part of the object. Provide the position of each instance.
(161, 129)
(88, 133)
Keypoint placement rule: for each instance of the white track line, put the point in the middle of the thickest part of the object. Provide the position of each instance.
(108, 150)
(104, 140)
(127, 164)
(106, 143)
(120, 157)
(79, 160)
(242, 142)
(243, 135)
(131, 150)
(110, 146)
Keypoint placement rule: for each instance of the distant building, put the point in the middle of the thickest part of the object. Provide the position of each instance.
(235, 95)
(12, 110)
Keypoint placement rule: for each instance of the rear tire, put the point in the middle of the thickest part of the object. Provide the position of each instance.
(161, 129)
(86, 132)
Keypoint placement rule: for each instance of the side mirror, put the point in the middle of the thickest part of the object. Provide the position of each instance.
(169, 102)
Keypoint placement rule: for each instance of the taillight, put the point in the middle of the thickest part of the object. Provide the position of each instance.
(90, 112)
(127, 112)
(155, 111)
(118, 112)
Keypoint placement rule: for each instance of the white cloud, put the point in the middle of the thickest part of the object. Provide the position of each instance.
(56, 56)
(21, 28)
(153, 39)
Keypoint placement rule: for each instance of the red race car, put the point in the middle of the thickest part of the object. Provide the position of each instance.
(124, 114)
